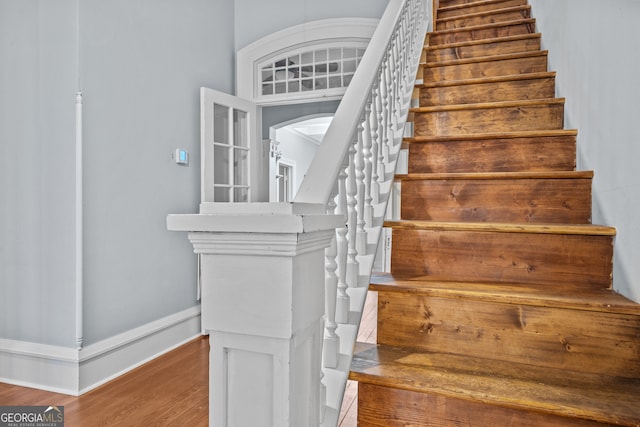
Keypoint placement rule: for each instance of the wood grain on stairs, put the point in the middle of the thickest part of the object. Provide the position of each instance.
(488, 89)
(499, 309)
(499, 152)
(486, 66)
(484, 31)
(481, 6)
(484, 17)
(485, 47)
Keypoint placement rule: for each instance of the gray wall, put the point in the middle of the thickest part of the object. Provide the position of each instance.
(142, 64)
(595, 48)
(139, 64)
(258, 18)
(38, 75)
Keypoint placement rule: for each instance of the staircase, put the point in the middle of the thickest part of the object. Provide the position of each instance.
(499, 308)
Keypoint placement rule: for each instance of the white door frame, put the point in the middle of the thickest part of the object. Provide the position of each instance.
(291, 165)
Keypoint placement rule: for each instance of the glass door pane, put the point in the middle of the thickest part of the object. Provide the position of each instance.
(228, 130)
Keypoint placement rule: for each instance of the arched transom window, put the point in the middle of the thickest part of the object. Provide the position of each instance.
(326, 68)
(304, 63)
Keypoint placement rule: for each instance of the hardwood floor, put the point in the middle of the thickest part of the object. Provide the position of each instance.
(171, 390)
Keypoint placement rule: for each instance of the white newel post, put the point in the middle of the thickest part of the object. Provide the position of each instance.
(263, 303)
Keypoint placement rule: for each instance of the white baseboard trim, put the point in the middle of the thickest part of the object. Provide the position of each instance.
(42, 366)
(108, 359)
(66, 370)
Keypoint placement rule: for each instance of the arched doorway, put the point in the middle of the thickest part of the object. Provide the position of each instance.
(293, 145)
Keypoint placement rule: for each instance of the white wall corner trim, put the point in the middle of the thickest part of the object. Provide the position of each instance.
(69, 371)
(307, 34)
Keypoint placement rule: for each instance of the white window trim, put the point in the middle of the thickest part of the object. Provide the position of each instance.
(308, 35)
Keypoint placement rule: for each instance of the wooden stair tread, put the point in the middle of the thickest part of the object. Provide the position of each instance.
(491, 58)
(530, 21)
(484, 41)
(496, 175)
(506, 384)
(449, 3)
(492, 135)
(459, 274)
(467, 5)
(484, 13)
(567, 229)
(491, 79)
(544, 295)
(486, 105)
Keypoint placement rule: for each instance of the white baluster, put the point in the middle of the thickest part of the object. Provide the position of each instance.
(397, 83)
(375, 185)
(389, 108)
(380, 119)
(342, 301)
(361, 234)
(393, 102)
(366, 149)
(352, 219)
(322, 392)
(331, 346)
(404, 46)
(384, 148)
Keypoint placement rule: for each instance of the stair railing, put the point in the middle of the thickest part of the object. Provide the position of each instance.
(352, 175)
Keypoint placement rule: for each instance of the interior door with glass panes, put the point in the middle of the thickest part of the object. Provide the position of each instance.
(228, 147)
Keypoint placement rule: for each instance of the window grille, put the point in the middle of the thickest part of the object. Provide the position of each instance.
(328, 69)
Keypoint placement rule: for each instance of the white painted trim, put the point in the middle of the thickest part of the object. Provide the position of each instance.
(108, 359)
(79, 228)
(278, 126)
(69, 371)
(292, 179)
(46, 367)
(40, 351)
(307, 34)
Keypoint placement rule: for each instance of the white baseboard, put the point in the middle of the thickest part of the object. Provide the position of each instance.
(103, 361)
(46, 367)
(66, 370)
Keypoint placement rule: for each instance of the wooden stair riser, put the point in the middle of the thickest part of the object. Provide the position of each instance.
(492, 17)
(575, 340)
(530, 117)
(483, 32)
(547, 153)
(380, 406)
(475, 69)
(491, 91)
(536, 200)
(496, 316)
(448, 53)
(503, 257)
(442, 4)
(458, 10)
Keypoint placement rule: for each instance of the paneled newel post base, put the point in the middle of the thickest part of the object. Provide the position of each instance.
(262, 278)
